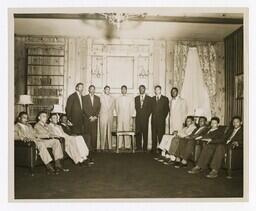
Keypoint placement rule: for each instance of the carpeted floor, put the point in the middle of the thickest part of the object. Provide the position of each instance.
(123, 175)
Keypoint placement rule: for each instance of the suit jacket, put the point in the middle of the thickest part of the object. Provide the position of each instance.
(89, 109)
(42, 131)
(239, 136)
(67, 129)
(216, 136)
(143, 113)
(107, 106)
(160, 110)
(178, 113)
(74, 111)
(22, 131)
(201, 132)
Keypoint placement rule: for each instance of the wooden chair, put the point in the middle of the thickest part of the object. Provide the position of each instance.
(125, 133)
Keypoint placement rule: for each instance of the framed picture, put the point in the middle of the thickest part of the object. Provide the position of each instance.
(239, 86)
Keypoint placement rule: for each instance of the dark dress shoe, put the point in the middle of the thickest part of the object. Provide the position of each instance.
(171, 163)
(181, 165)
(51, 171)
(84, 164)
(91, 161)
(60, 168)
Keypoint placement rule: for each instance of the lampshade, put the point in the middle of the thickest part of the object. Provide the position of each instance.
(57, 109)
(25, 100)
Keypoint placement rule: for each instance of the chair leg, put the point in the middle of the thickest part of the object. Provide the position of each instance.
(117, 144)
(33, 157)
(32, 171)
(133, 144)
(229, 164)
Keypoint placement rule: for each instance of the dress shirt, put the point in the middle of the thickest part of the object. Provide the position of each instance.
(92, 98)
(80, 99)
(233, 134)
(142, 98)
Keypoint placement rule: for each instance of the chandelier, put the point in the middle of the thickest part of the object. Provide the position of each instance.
(116, 19)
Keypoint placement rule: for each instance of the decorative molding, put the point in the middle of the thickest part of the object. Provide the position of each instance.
(139, 50)
(148, 18)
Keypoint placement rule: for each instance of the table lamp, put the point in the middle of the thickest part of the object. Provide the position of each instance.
(57, 109)
(25, 100)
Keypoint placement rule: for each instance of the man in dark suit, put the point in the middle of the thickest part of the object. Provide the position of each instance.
(160, 110)
(214, 151)
(143, 109)
(75, 114)
(91, 105)
(74, 110)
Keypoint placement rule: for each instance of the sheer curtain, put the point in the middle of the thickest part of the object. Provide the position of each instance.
(194, 89)
(206, 54)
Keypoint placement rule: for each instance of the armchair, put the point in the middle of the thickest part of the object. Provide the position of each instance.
(26, 154)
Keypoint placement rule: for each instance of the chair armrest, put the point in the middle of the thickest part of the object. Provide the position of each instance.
(20, 143)
(233, 147)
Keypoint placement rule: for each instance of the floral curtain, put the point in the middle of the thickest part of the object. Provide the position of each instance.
(207, 58)
(180, 62)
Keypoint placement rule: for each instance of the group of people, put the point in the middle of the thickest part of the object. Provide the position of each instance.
(47, 133)
(177, 148)
(85, 111)
(78, 126)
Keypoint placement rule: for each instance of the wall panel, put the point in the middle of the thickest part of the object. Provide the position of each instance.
(233, 67)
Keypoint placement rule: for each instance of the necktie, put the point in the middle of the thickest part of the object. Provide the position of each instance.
(80, 100)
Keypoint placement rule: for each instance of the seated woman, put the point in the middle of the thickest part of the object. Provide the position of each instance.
(213, 151)
(170, 145)
(187, 144)
(24, 132)
(74, 145)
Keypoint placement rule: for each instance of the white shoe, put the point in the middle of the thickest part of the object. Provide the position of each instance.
(173, 158)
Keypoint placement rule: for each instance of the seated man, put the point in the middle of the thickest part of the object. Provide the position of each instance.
(234, 135)
(170, 145)
(213, 151)
(24, 132)
(67, 128)
(187, 144)
(74, 145)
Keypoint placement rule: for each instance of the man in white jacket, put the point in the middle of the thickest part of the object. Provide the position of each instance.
(106, 118)
(178, 111)
(125, 109)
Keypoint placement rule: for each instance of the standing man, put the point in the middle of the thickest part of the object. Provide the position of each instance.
(143, 108)
(91, 105)
(178, 111)
(124, 110)
(106, 118)
(160, 109)
(74, 110)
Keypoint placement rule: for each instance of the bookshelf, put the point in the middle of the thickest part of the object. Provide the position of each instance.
(45, 77)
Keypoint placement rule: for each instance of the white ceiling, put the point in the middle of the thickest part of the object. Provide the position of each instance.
(129, 30)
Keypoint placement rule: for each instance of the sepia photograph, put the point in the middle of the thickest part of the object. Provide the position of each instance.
(128, 103)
